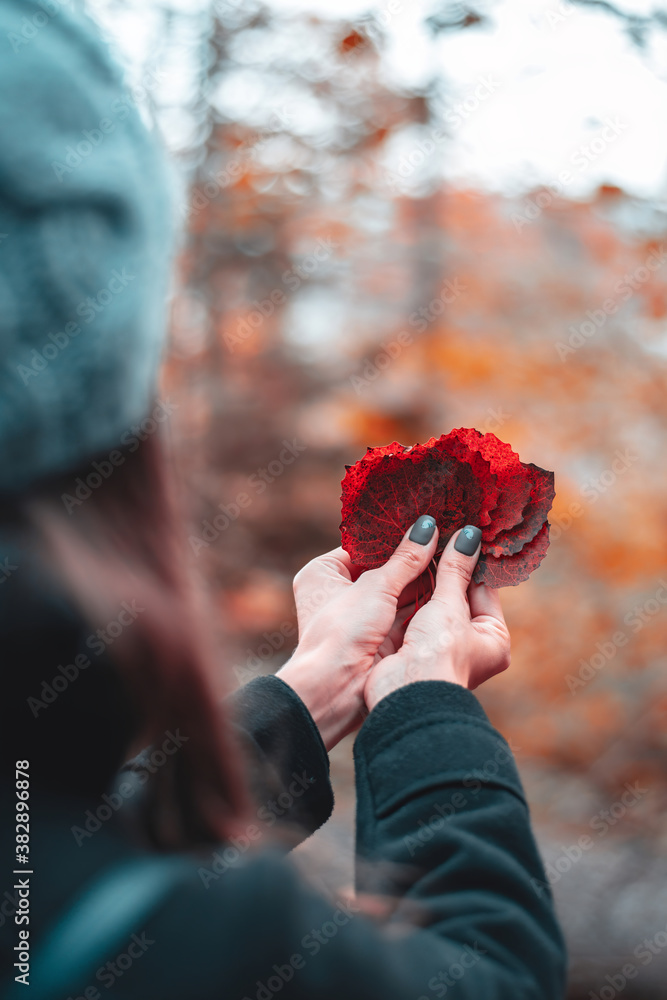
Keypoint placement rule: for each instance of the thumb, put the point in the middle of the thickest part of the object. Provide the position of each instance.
(410, 558)
(456, 566)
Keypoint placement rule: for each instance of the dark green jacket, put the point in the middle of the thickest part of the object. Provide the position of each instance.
(442, 828)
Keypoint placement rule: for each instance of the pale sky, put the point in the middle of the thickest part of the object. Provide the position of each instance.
(549, 88)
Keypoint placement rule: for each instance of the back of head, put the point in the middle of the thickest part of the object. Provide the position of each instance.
(85, 252)
(85, 246)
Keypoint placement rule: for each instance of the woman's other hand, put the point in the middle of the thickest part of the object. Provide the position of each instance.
(460, 635)
(347, 625)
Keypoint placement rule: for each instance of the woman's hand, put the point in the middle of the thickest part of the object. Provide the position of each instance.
(460, 635)
(346, 625)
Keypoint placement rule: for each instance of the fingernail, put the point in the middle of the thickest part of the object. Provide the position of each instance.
(468, 540)
(422, 530)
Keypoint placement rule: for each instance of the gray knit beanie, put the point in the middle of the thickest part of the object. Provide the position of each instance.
(85, 245)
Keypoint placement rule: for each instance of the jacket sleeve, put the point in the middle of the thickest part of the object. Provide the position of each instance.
(443, 825)
(443, 833)
(287, 762)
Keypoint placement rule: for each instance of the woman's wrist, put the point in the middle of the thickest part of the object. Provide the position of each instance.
(335, 713)
(395, 672)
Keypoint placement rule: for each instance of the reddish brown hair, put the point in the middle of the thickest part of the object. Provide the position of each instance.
(127, 541)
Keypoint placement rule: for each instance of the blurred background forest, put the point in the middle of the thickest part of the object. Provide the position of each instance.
(356, 269)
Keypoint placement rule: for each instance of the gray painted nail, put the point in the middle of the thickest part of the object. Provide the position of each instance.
(468, 540)
(422, 530)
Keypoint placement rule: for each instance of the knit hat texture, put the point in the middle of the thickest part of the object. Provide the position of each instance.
(86, 236)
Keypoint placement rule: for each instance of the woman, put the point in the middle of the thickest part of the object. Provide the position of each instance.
(169, 876)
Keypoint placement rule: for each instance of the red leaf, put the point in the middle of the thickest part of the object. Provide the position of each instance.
(456, 445)
(513, 485)
(385, 492)
(463, 477)
(533, 515)
(508, 571)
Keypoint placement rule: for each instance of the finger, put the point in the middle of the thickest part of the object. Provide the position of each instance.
(335, 564)
(410, 558)
(456, 567)
(340, 560)
(485, 601)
